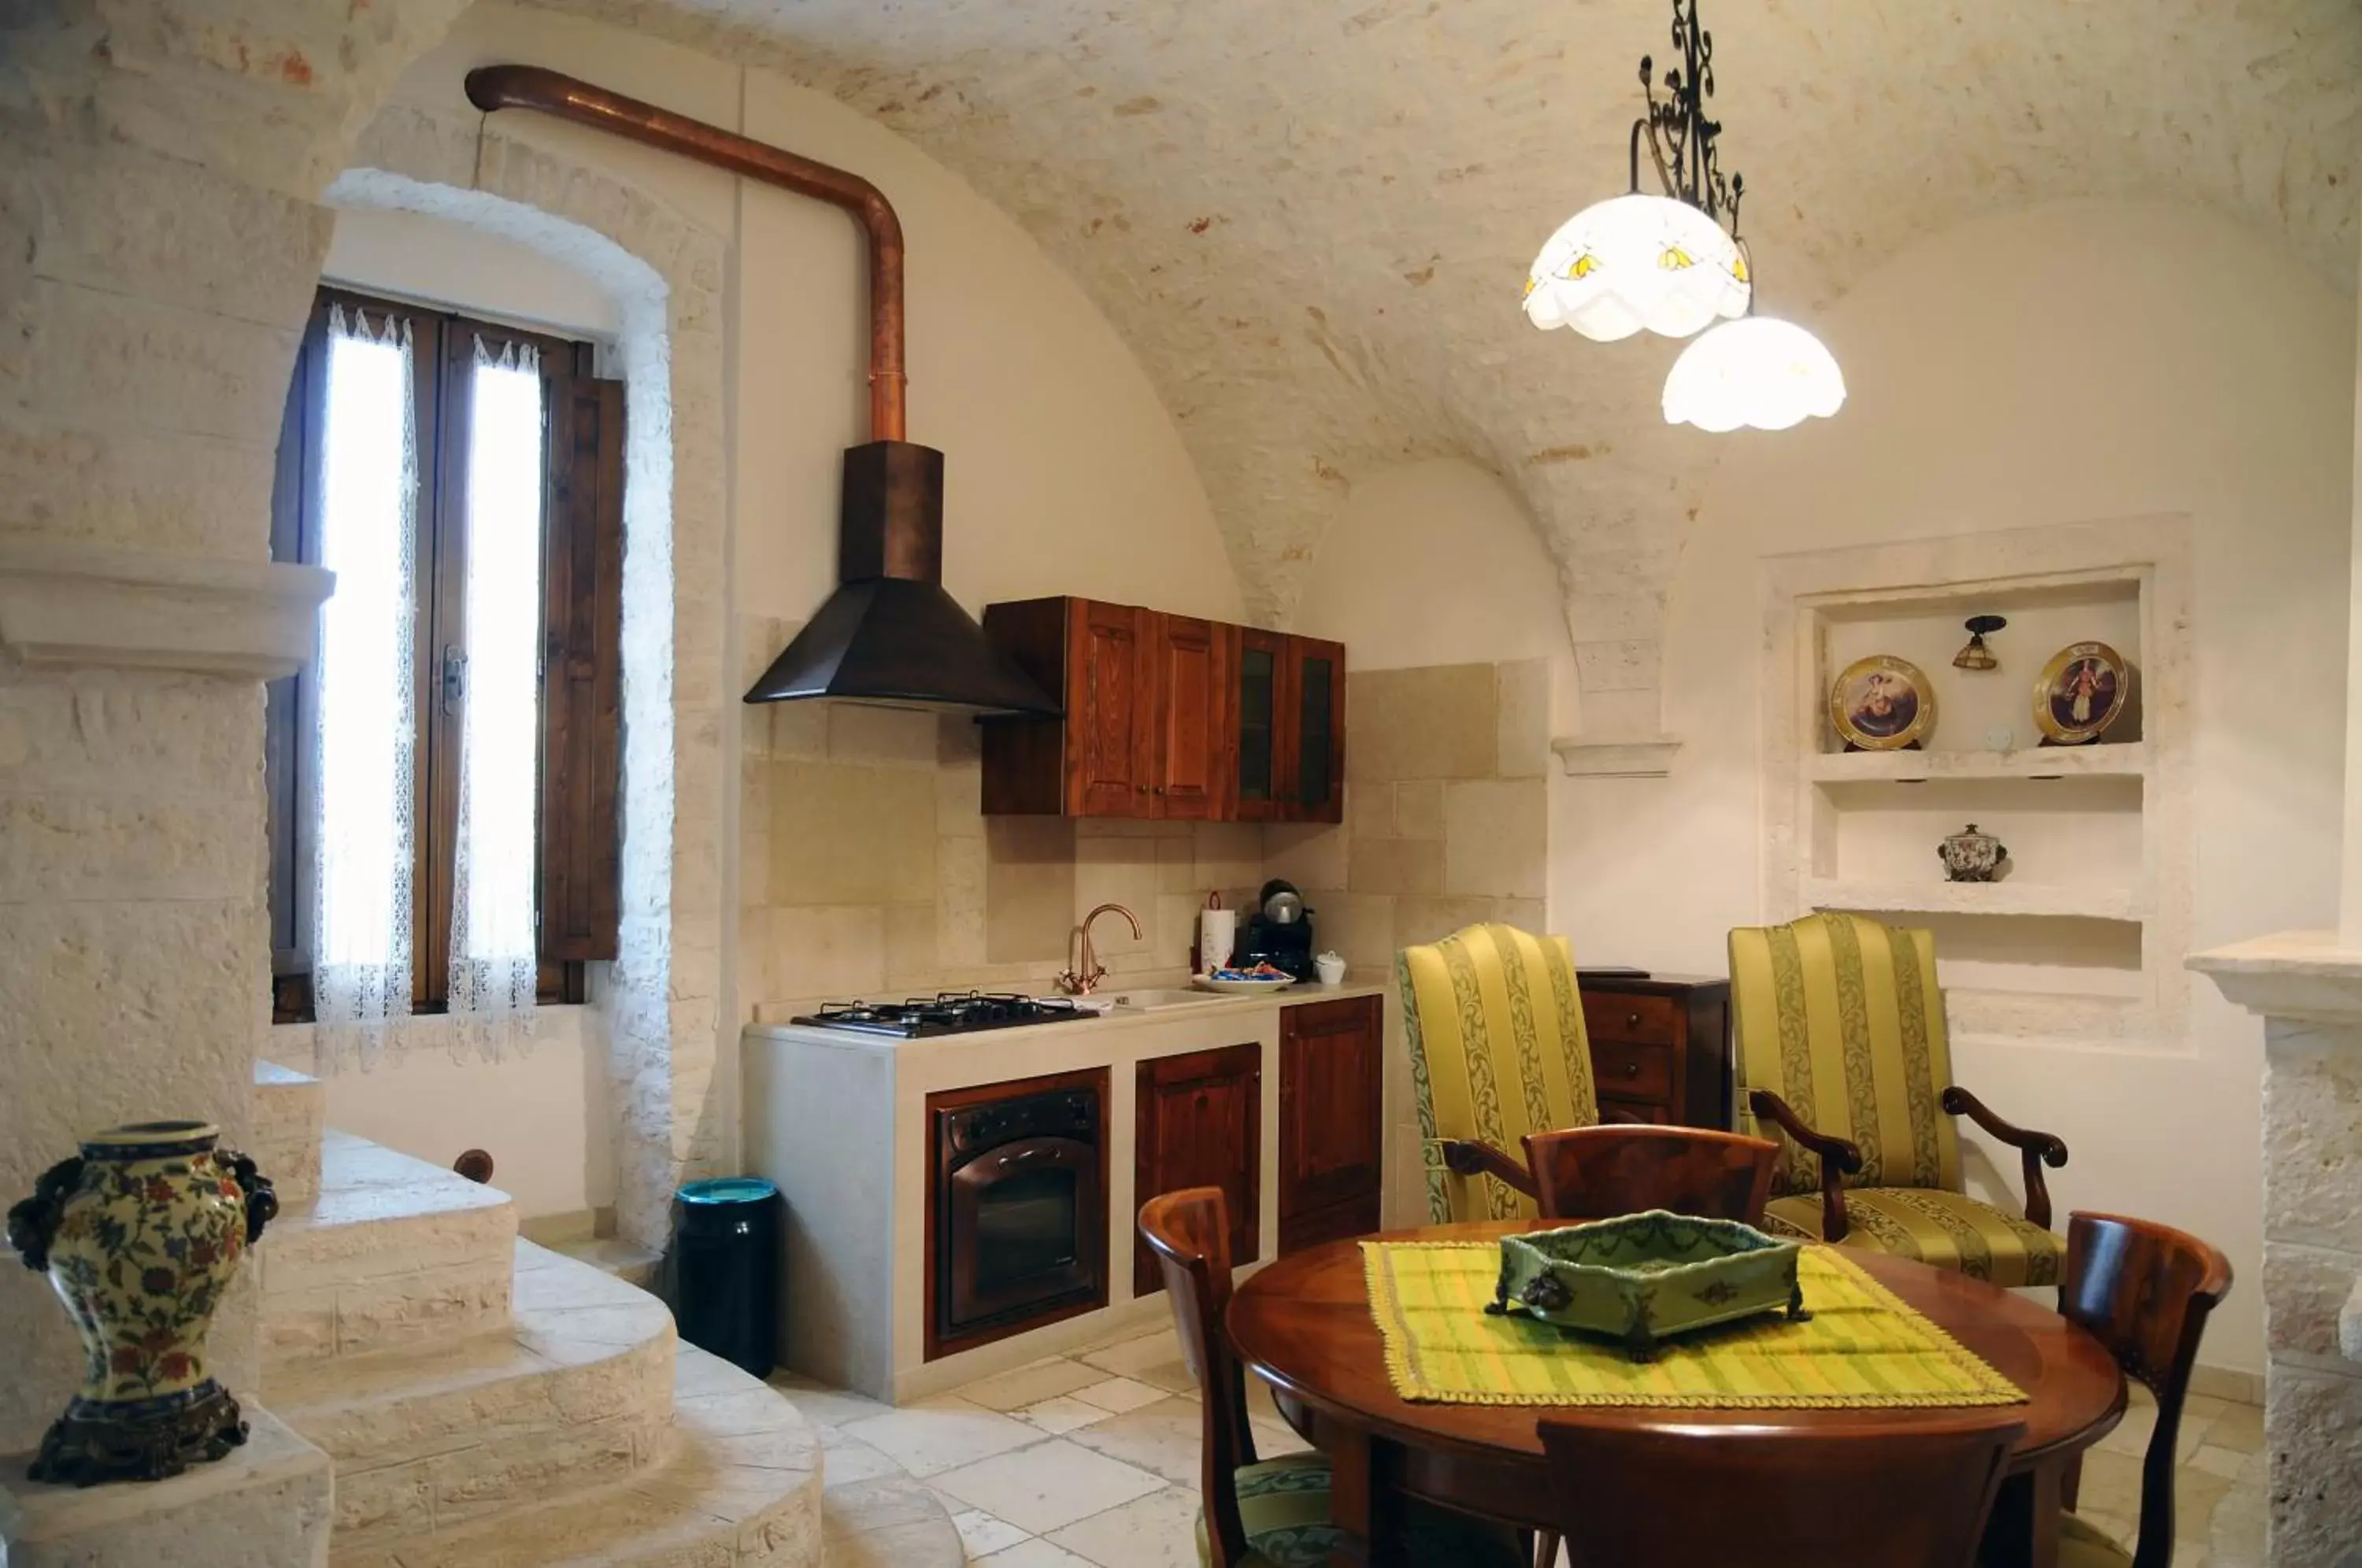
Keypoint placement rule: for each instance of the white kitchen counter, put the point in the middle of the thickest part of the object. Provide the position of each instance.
(837, 1118)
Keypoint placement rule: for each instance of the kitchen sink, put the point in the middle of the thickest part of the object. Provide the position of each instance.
(1152, 1002)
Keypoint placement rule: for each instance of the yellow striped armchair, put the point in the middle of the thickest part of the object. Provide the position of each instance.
(1497, 1050)
(1841, 1048)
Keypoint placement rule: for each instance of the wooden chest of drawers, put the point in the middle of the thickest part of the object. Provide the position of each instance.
(1659, 1046)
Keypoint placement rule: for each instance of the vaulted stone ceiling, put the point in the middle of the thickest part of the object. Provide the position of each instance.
(1312, 218)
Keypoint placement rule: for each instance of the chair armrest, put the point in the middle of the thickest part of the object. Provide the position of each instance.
(2037, 1149)
(1467, 1157)
(1839, 1158)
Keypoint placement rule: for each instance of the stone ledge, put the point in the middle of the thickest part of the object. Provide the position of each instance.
(267, 1504)
(2292, 974)
(69, 604)
(1648, 756)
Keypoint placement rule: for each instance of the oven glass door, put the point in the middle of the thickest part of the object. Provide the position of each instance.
(1027, 1229)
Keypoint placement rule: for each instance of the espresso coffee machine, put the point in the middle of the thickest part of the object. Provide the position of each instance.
(1279, 931)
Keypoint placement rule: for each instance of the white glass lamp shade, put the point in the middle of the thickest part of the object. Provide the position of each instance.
(1635, 262)
(1753, 372)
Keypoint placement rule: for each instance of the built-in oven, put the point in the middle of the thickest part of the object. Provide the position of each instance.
(1017, 1210)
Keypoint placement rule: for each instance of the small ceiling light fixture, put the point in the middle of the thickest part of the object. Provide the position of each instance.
(1663, 263)
(1976, 656)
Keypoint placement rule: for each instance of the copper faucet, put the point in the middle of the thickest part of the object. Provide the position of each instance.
(1088, 971)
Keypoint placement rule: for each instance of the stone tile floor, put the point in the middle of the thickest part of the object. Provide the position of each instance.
(1090, 1460)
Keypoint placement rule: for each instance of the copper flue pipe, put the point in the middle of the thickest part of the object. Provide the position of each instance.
(493, 87)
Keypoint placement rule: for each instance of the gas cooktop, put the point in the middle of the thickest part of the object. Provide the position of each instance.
(952, 1012)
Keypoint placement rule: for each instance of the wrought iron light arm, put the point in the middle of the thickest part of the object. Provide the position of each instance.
(1680, 136)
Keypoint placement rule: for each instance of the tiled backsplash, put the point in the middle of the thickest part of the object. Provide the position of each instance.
(869, 869)
(1447, 808)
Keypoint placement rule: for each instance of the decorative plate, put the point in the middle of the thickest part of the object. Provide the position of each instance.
(1645, 1277)
(1881, 703)
(2081, 691)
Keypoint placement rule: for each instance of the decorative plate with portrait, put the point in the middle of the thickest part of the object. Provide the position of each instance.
(2081, 691)
(1881, 703)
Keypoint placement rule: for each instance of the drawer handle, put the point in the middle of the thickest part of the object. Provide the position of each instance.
(1631, 1020)
(1631, 1069)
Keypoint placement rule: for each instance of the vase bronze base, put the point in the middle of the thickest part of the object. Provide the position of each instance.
(138, 1440)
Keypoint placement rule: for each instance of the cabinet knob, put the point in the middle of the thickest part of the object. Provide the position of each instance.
(1631, 1069)
(1160, 788)
(1142, 788)
(1631, 1020)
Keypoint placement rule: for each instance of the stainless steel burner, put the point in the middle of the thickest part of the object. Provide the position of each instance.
(948, 1012)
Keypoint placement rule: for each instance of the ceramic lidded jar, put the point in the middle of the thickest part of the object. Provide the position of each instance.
(140, 1236)
(1972, 856)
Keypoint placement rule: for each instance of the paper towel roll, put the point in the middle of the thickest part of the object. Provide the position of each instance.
(1218, 934)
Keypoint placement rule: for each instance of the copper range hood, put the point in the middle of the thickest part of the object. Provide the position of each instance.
(888, 632)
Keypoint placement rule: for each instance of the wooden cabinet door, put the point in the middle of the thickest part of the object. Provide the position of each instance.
(1190, 719)
(1259, 719)
(1199, 1124)
(1110, 743)
(1331, 1116)
(1315, 731)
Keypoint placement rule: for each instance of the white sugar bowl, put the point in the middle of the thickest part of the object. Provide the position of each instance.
(1331, 968)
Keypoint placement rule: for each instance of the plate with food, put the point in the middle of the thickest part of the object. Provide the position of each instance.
(1249, 981)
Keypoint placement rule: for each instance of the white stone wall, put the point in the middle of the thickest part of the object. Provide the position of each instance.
(661, 996)
(159, 241)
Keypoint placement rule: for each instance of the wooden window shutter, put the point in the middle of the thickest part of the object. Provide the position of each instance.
(582, 669)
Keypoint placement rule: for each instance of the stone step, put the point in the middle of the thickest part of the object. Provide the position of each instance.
(290, 1113)
(392, 1252)
(427, 1438)
(614, 1255)
(739, 1487)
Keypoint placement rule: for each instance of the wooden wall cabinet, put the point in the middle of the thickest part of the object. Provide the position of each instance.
(1332, 1120)
(1199, 1124)
(1661, 1046)
(1166, 717)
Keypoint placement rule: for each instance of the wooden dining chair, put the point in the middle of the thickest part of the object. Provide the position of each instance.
(2144, 1290)
(1636, 1494)
(1598, 1173)
(1269, 1513)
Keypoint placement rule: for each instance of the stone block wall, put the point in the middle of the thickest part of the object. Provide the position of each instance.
(2313, 1261)
(1447, 810)
(158, 242)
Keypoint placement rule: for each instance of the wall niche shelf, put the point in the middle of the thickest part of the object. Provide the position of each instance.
(2054, 900)
(2081, 940)
(2129, 759)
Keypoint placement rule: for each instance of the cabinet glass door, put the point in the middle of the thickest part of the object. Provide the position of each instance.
(1317, 677)
(1260, 682)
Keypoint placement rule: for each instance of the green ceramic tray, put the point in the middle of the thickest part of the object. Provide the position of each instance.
(1646, 1277)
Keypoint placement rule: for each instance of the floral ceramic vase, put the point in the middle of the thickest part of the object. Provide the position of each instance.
(140, 1236)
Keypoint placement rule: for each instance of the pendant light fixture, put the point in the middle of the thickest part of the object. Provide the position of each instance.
(1664, 263)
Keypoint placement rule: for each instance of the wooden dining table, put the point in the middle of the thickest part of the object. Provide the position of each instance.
(1303, 1325)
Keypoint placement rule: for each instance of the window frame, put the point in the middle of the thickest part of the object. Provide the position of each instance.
(443, 363)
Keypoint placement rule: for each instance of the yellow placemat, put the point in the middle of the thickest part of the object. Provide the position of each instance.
(1863, 1347)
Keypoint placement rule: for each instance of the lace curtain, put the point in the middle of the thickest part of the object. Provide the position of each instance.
(365, 739)
(495, 947)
